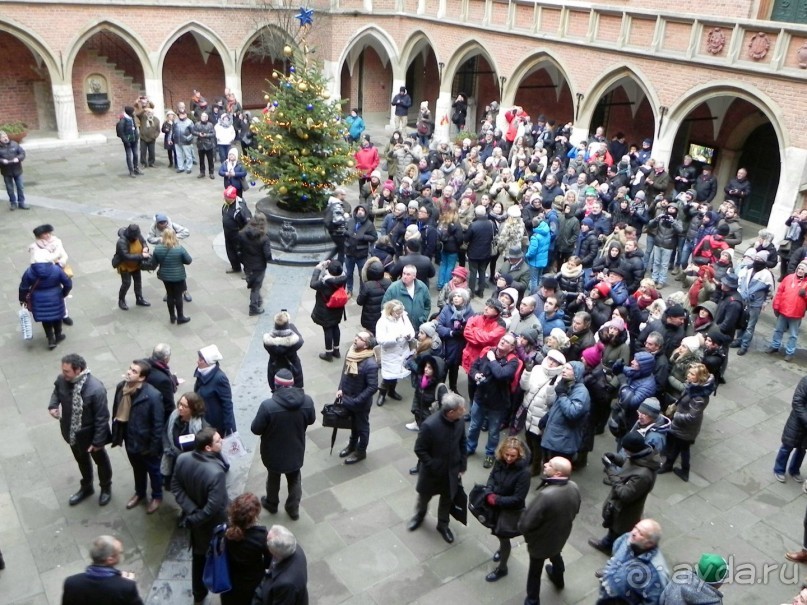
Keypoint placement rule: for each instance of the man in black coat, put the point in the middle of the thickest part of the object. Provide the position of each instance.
(162, 378)
(138, 421)
(235, 215)
(705, 185)
(479, 238)
(729, 305)
(360, 233)
(255, 252)
(357, 386)
(200, 489)
(738, 189)
(281, 422)
(102, 582)
(421, 262)
(547, 523)
(442, 454)
(78, 392)
(286, 582)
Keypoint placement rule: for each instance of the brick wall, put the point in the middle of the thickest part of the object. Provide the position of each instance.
(254, 76)
(17, 80)
(185, 70)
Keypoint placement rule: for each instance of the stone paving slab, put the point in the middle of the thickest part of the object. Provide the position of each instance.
(353, 519)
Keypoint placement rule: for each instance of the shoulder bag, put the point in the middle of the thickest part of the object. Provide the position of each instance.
(216, 574)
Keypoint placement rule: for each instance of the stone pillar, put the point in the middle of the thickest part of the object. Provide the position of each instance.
(154, 91)
(233, 82)
(65, 109)
(333, 78)
(791, 178)
(442, 117)
(578, 134)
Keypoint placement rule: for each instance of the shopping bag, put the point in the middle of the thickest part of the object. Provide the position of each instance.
(232, 446)
(459, 505)
(26, 324)
(216, 574)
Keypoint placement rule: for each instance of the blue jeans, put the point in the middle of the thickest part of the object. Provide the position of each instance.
(478, 415)
(648, 251)
(791, 324)
(131, 150)
(11, 183)
(782, 457)
(535, 277)
(184, 157)
(753, 317)
(661, 261)
(685, 251)
(448, 260)
(351, 263)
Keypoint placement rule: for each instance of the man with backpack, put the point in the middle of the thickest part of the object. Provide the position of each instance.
(129, 134)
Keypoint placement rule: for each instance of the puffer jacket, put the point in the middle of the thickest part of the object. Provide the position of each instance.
(567, 233)
(171, 262)
(480, 332)
(393, 336)
(791, 297)
(50, 287)
(283, 347)
(214, 388)
(510, 483)
(566, 418)
(538, 252)
(668, 230)
(451, 324)
(11, 151)
(640, 385)
(254, 249)
(373, 288)
(500, 374)
(539, 393)
(281, 422)
(688, 417)
(325, 286)
(587, 248)
(680, 364)
(205, 133)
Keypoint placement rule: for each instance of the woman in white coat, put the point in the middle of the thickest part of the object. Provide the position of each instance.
(539, 394)
(393, 332)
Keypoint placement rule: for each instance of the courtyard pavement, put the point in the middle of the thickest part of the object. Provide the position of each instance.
(353, 518)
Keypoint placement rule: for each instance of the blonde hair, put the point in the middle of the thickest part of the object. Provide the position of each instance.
(391, 306)
(169, 238)
(511, 443)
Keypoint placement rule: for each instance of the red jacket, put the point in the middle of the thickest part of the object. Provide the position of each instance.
(710, 247)
(367, 160)
(480, 332)
(513, 123)
(791, 297)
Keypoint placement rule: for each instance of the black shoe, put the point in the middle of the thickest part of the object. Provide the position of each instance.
(80, 495)
(446, 534)
(735, 344)
(414, 523)
(497, 556)
(272, 508)
(256, 311)
(556, 579)
(336, 352)
(187, 297)
(211, 176)
(665, 469)
(393, 395)
(494, 575)
(603, 548)
(201, 176)
(60, 338)
(231, 270)
(122, 305)
(326, 356)
(165, 298)
(51, 343)
(183, 320)
(742, 351)
(68, 321)
(355, 457)
(682, 474)
(347, 451)
(173, 319)
(414, 470)
(381, 399)
(138, 172)
(294, 514)
(105, 497)
(142, 302)
(2, 562)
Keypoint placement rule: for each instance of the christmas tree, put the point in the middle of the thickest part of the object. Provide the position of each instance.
(301, 152)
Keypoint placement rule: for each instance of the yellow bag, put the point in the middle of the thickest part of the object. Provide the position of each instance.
(68, 271)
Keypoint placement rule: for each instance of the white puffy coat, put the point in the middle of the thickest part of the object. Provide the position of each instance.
(539, 393)
(393, 336)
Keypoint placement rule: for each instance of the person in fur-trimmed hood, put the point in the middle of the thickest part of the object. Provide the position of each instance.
(283, 344)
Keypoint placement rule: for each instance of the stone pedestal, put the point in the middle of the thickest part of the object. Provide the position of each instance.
(297, 238)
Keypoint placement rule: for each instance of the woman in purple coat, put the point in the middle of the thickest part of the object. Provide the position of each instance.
(47, 285)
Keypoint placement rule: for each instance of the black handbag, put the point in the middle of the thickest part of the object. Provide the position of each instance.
(336, 416)
(459, 505)
(479, 508)
(507, 523)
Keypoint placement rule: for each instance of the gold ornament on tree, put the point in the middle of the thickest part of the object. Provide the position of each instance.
(287, 51)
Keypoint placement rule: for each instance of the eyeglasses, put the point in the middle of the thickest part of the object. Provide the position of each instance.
(183, 404)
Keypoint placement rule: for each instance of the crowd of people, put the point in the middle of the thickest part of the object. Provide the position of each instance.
(538, 267)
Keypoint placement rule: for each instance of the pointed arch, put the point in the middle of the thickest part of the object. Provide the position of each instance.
(539, 59)
(609, 81)
(196, 28)
(465, 51)
(120, 30)
(715, 88)
(375, 37)
(417, 43)
(37, 45)
(242, 51)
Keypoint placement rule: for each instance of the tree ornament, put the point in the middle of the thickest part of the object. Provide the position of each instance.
(305, 16)
(309, 107)
(350, 163)
(287, 51)
(305, 136)
(282, 190)
(265, 97)
(292, 69)
(302, 87)
(304, 197)
(275, 75)
(280, 114)
(305, 152)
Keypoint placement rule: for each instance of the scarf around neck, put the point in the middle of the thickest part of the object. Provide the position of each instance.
(77, 402)
(353, 358)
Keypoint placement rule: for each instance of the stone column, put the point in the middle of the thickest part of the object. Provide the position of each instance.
(397, 82)
(65, 109)
(154, 91)
(578, 134)
(442, 117)
(233, 82)
(791, 178)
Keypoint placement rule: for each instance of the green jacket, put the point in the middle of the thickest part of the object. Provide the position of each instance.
(418, 307)
(171, 262)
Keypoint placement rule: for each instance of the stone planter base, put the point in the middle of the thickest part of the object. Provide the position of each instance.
(297, 239)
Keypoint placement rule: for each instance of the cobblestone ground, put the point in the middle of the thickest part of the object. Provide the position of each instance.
(353, 519)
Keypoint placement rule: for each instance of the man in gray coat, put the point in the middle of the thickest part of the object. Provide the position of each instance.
(547, 523)
(442, 454)
(281, 422)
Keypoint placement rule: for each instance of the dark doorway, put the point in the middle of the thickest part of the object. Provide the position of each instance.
(760, 156)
